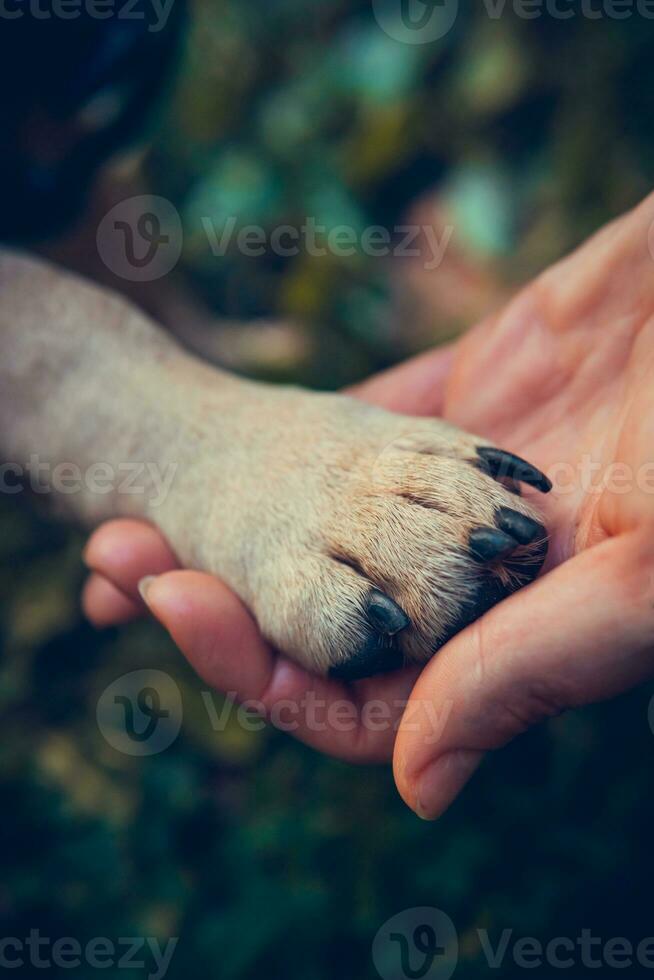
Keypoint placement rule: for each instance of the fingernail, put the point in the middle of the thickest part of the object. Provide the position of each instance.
(442, 781)
(144, 587)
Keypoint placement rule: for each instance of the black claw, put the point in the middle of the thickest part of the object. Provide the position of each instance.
(491, 544)
(385, 615)
(376, 656)
(499, 463)
(523, 529)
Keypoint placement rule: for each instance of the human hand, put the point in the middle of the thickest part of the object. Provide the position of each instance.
(564, 375)
(561, 376)
(220, 639)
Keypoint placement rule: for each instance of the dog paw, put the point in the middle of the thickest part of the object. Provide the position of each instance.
(368, 539)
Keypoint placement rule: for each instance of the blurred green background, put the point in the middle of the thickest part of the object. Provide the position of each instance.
(266, 859)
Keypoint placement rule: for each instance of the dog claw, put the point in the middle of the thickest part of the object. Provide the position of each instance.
(500, 463)
(380, 652)
(491, 544)
(385, 615)
(376, 656)
(524, 529)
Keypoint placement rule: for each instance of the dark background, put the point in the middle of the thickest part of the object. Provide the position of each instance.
(266, 859)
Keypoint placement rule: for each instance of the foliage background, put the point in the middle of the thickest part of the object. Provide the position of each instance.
(263, 857)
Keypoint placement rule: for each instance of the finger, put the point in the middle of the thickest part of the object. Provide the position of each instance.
(580, 634)
(124, 551)
(416, 387)
(223, 644)
(105, 605)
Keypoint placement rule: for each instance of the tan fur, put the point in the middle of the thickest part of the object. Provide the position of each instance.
(299, 501)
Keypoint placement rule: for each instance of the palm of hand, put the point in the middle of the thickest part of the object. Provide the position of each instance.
(565, 377)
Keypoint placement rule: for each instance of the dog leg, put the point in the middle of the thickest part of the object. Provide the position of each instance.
(359, 538)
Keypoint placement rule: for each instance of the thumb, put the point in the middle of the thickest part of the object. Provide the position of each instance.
(582, 633)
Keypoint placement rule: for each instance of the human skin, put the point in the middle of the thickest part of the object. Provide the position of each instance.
(564, 375)
(360, 539)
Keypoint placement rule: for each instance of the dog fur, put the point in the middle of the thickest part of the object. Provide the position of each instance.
(306, 504)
